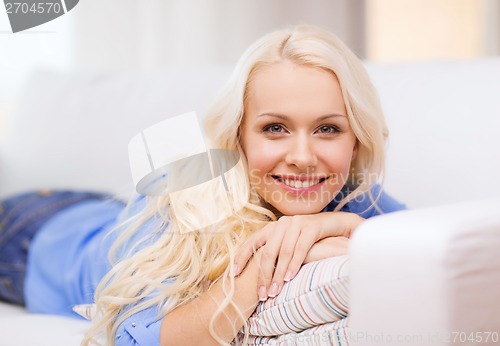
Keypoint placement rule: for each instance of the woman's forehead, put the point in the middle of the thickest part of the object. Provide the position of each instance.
(287, 88)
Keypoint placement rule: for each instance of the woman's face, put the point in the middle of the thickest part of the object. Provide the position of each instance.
(296, 137)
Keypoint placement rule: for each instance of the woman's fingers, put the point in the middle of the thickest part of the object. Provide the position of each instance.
(285, 254)
(304, 244)
(269, 254)
(248, 249)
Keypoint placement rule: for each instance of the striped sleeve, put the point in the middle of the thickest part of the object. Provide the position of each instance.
(317, 295)
(333, 334)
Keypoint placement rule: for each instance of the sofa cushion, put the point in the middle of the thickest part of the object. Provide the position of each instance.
(23, 329)
(72, 130)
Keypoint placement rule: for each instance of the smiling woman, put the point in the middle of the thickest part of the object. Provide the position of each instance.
(302, 114)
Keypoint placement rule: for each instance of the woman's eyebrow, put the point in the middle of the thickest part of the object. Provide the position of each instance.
(284, 117)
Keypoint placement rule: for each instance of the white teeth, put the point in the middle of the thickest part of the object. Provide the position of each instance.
(297, 184)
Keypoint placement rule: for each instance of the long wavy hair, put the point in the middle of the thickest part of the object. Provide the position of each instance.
(195, 235)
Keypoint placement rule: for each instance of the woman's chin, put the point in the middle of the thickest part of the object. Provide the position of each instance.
(298, 208)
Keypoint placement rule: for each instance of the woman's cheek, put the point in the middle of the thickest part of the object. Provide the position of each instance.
(265, 156)
(338, 160)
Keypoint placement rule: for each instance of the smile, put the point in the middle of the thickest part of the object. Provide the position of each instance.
(299, 183)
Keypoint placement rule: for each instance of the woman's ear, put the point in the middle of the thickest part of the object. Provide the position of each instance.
(355, 151)
(238, 135)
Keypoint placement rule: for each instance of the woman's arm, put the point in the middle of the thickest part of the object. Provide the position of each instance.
(328, 247)
(189, 324)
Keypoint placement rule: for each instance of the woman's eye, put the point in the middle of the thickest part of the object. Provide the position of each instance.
(274, 128)
(328, 129)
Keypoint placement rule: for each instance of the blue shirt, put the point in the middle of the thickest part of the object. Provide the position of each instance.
(68, 258)
(363, 205)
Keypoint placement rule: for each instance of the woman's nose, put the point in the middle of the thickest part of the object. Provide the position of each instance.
(301, 153)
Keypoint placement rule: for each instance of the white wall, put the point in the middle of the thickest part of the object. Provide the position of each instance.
(47, 46)
(145, 35)
(157, 34)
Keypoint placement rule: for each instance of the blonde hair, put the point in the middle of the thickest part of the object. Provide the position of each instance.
(183, 256)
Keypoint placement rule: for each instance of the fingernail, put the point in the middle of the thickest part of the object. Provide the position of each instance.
(288, 276)
(236, 269)
(262, 293)
(274, 290)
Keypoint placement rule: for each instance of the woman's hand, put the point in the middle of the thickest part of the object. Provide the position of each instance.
(328, 247)
(284, 245)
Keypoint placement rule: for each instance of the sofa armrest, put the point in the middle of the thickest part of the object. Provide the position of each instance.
(427, 277)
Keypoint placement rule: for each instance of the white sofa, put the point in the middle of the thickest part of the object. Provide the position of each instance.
(429, 275)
